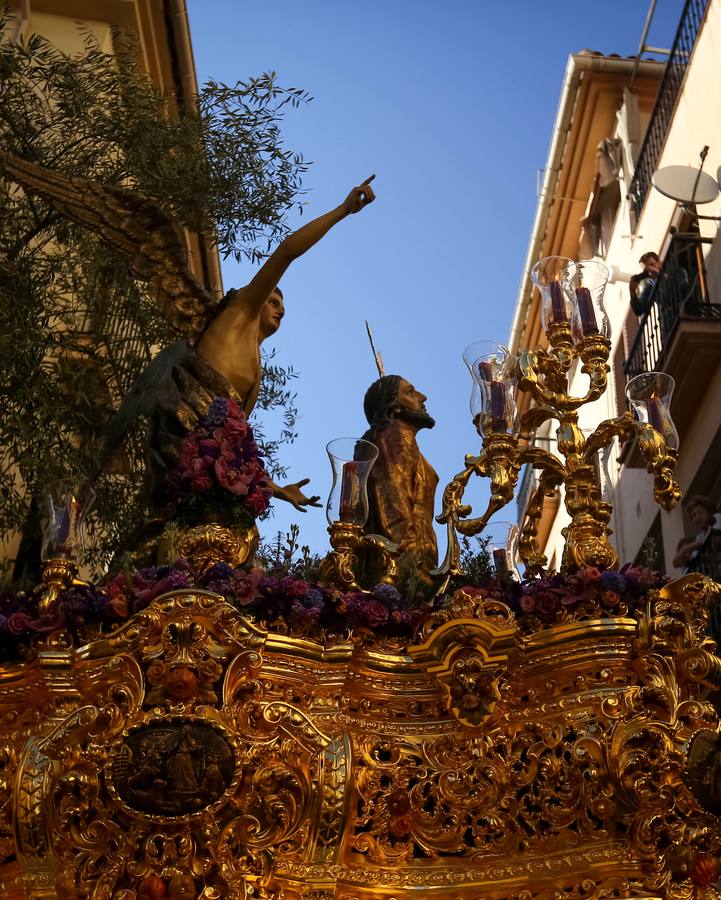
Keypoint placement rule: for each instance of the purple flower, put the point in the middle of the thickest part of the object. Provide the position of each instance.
(217, 413)
(613, 581)
(313, 598)
(304, 615)
(387, 594)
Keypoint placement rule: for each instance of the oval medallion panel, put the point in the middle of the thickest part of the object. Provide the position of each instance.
(172, 768)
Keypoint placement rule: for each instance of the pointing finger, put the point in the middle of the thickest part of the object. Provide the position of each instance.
(368, 179)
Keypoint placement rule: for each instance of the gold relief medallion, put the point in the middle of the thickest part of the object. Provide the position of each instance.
(173, 768)
(703, 773)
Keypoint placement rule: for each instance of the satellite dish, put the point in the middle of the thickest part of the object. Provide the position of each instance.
(685, 184)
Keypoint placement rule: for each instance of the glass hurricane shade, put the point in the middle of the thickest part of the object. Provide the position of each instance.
(63, 525)
(584, 284)
(549, 275)
(351, 460)
(650, 396)
(503, 548)
(493, 396)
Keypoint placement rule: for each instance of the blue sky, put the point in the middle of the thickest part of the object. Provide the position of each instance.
(451, 105)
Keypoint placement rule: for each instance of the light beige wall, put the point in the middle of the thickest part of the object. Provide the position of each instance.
(693, 126)
(67, 34)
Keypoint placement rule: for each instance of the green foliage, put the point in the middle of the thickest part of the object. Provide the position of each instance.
(75, 329)
(476, 561)
(284, 556)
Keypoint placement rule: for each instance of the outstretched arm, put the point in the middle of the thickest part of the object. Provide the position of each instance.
(296, 244)
(292, 493)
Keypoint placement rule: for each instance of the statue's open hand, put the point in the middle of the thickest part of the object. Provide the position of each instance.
(292, 494)
(360, 196)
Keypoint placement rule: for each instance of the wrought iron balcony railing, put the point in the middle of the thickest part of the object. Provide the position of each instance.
(669, 89)
(679, 292)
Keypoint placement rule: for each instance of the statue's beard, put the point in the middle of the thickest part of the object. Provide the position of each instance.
(417, 417)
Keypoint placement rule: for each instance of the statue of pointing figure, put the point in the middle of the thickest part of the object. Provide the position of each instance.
(251, 314)
(220, 355)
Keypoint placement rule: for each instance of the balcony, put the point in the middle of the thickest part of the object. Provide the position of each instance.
(663, 111)
(681, 332)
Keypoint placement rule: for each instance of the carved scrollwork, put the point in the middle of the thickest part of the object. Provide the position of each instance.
(482, 758)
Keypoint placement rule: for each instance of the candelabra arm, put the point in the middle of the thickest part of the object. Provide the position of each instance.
(453, 510)
(660, 460)
(531, 365)
(542, 459)
(533, 417)
(623, 427)
(528, 548)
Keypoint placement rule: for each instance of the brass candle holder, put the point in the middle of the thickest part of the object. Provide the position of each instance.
(353, 551)
(576, 327)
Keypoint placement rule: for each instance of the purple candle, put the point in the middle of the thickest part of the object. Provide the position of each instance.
(485, 370)
(558, 304)
(498, 405)
(589, 325)
(349, 491)
(655, 414)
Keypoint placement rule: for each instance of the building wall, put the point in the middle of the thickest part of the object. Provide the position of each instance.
(695, 124)
(693, 127)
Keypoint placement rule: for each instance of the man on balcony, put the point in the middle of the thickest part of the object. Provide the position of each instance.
(642, 285)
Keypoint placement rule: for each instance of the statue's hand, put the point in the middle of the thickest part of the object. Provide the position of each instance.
(292, 494)
(360, 196)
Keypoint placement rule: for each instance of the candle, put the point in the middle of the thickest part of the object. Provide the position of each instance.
(500, 561)
(349, 492)
(485, 370)
(558, 304)
(589, 325)
(498, 405)
(655, 414)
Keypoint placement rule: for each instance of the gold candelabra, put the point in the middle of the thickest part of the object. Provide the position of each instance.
(576, 327)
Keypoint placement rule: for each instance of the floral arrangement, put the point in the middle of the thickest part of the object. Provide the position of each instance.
(308, 607)
(294, 602)
(589, 593)
(220, 469)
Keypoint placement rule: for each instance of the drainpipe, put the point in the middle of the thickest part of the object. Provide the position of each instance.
(22, 23)
(178, 14)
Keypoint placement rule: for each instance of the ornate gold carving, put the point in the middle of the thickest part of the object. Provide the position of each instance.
(204, 546)
(353, 551)
(544, 374)
(587, 766)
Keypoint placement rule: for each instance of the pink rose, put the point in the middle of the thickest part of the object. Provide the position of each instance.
(118, 604)
(226, 443)
(297, 589)
(528, 603)
(17, 622)
(235, 411)
(257, 501)
(375, 613)
(201, 484)
(589, 575)
(610, 599)
(548, 602)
